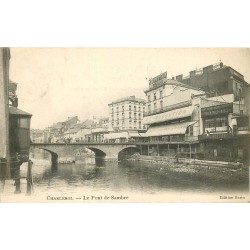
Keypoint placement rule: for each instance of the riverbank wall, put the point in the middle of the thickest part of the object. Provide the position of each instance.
(163, 160)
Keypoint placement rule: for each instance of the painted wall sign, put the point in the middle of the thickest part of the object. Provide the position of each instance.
(217, 110)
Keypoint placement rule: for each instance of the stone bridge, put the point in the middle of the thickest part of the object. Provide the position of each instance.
(108, 151)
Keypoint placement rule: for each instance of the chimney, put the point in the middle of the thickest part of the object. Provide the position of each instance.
(179, 78)
(221, 64)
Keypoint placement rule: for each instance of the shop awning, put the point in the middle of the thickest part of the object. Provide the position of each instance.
(170, 115)
(171, 129)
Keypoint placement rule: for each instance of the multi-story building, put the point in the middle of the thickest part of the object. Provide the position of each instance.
(57, 132)
(226, 134)
(216, 122)
(127, 114)
(224, 113)
(217, 79)
(173, 114)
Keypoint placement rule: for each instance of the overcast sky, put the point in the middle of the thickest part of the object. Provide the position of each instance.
(56, 83)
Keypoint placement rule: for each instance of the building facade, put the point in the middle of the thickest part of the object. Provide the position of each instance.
(173, 116)
(127, 114)
(226, 133)
(217, 79)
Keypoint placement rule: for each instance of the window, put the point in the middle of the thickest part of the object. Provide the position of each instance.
(191, 130)
(221, 122)
(139, 108)
(154, 96)
(129, 107)
(161, 103)
(135, 116)
(149, 107)
(129, 114)
(130, 123)
(134, 108)
(23, 122)
(148, 98)
(209, 123)
(161, 94)
(155, 106)
(139, 116)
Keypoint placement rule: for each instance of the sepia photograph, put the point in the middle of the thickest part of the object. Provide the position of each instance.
(124, 125)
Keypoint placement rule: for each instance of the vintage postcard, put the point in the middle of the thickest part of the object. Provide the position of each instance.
(82, 125)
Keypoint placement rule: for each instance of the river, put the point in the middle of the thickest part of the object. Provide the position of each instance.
(95, 176)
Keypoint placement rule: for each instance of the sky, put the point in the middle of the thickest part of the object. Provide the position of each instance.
(56, 83)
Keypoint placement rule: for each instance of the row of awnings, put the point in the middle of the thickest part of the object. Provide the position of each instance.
(163, 130)
(170, 129)
(168, 116)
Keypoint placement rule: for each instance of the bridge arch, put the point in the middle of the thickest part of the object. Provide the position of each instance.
(127, 152)
(98, 152)
(54, 156)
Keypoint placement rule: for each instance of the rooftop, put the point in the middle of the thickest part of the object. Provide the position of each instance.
(170, 82)
(87, 123)
(16, 111)
(128, 98)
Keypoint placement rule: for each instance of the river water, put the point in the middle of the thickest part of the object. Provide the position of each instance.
(95, 176)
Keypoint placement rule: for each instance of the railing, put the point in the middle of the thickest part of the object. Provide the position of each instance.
(215, 136)
(127, 141)
(244, 128)
(191, 138)
(166, 141)
(168, 108)
(223, 134)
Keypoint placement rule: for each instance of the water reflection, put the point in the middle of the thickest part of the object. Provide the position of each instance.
(98, 175)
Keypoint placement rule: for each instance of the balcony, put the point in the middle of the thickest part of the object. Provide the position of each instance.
(168, 140)
(168, 108)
